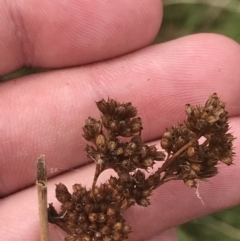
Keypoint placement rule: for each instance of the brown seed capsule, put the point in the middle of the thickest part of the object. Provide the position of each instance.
(93, 217)
(72, 216)
(101, 217)
(190, 183)
(126, 229)
(97, 127)
(79, 239)
(85, 199)
(131, 111)
(103, 207)
(76, 187)
(119, 188)
(127, 132)
(93, 226)
(70, 238)
(68, 206)
(160, 156)
(82, 218)
(148, 162)
(165, 143)
(105, 230)
(100, 141)
(146, 193)
(62, 193)
(113, 126)
(111, 145)
(167, 135)
(140, 176)
(143, 202)
(136, 125)
(79, 230)
(103, 106)
(120, 110)
(132, 145)
(118, 226)
(79, 207)
(107, 238)
(135, 160)
(191, 151)
(97, 235)
(111, 220)
(119, 151)
(88, 133)
(113, 181)
(196, 167)
(88, 208)
(111, 210)
(226, 160)
(116, 235)
(86, 237)
(126, 164)
(211, 119)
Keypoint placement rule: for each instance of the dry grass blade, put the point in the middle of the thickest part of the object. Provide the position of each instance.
(42, 197)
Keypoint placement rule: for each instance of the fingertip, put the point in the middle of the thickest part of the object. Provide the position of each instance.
(69, 33)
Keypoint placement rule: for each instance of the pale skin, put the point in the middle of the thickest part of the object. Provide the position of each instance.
(44, 113)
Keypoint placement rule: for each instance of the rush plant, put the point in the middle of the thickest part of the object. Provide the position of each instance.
(115, 142)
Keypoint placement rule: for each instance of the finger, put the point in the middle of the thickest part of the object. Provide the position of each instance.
(67, 33)
(171, 204)
(45, 116)
(168, 235)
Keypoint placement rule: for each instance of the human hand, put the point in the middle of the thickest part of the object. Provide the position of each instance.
(44, 112)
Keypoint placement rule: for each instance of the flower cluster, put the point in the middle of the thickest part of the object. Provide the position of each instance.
(192, 151)
(196, 159)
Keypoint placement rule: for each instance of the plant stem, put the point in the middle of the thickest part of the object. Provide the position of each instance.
(168, 162)
(42, 197)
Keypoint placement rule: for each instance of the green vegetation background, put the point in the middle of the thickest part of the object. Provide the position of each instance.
(183, 17)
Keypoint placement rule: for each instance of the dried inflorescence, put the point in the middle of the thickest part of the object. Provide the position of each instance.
(192, 151)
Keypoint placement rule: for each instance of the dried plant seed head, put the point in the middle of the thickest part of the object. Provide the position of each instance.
(116, 143)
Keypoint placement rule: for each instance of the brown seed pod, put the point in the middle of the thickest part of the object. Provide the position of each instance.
(100, 141)
(62, 193)
(118, 226)
(105, 230)
(126, 229)
(111, 210)
(78, 207)
(101, 217)
(93, 217)
(82, 218)
(107, 238)
(86, 237)
(116, 236)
